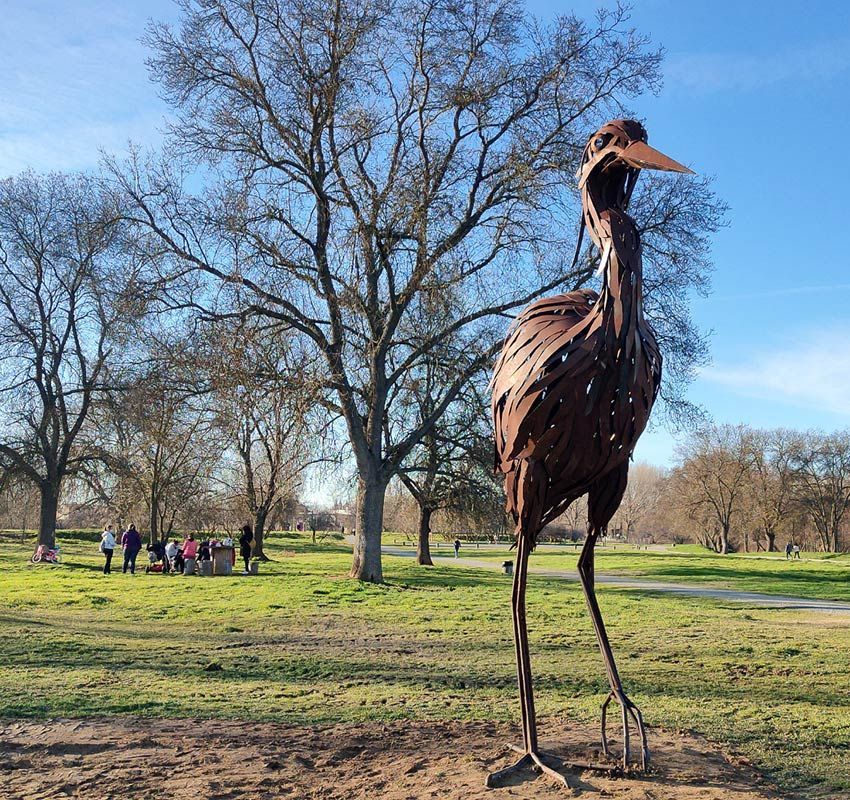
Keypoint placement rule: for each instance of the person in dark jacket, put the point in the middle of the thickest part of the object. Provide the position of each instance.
(131, 541)
(245, 546)
(204, 553)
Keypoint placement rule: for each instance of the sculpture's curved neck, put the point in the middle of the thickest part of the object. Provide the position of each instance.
(616, 236)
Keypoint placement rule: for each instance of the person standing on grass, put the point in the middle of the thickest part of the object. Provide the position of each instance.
(457, 548)
(788, 549)
(107, 545)
(190, 547)
(131, 541)
(245, 546)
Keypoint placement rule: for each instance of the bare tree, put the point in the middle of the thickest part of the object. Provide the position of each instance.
(821, 471)
(452, 464)
(107, 482)
(264, 394)
(174, 450)
(158, 450)
(270, 440)
(478, 503)
(574, 519)
(318, 519)
(66, 293)
(19, 503)
(641, 496)
(378, 156)
(771, 482)
(711, 481)
(448, 467)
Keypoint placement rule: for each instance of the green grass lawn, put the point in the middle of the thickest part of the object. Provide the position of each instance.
(816, 575)
(302, 643)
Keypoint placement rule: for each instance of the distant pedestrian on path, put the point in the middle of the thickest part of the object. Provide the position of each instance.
(131, 541)
(245, 546)
(107, 545)
(457, 548)
(796, 551)
(788, 549)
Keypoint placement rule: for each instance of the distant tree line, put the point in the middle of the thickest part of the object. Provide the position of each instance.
(738, 488)
(741, 488)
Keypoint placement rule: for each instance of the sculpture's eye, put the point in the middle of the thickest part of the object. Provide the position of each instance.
(599, 142)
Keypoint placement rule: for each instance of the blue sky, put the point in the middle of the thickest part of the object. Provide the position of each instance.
(756, 94)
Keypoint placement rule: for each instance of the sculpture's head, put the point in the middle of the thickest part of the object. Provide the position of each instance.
(614, 156)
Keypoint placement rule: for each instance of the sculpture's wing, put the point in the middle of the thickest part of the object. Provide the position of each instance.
(551, 340)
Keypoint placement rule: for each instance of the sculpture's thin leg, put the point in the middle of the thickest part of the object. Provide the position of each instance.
(531, 756)
(628, 708)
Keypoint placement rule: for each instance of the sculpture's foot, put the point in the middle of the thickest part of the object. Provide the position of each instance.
(531, 759)
(628, 711)
(536, 761)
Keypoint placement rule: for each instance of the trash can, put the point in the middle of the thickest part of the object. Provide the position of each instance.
(205, 568)
(253, 568)
(222, 560)
(189, 567)
(508, 567)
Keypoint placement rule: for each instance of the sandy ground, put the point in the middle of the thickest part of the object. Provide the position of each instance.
(225, 760)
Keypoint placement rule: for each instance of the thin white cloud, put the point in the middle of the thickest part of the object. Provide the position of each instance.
(736, 71)
(76, 83)
(811, 371)
(787, 292)
(76, 146)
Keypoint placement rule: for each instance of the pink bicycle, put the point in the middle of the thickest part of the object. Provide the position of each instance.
(46, 555)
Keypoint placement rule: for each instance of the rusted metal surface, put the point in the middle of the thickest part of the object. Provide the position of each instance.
(572, 392)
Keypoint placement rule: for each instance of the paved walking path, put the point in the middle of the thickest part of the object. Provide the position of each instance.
(731, 595)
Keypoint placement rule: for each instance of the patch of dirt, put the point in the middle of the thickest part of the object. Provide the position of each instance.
(227, 760)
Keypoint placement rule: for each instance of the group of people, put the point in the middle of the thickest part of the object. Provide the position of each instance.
(172, 555)
(131, 544)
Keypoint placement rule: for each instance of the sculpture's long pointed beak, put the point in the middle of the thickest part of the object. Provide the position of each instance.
(642, 156)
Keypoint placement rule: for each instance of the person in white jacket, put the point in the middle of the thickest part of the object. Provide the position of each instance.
(171, 552)
(107, 545)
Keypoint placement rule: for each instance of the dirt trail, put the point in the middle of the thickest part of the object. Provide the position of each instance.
(132, 758)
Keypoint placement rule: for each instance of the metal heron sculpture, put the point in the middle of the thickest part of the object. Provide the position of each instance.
(572, 392)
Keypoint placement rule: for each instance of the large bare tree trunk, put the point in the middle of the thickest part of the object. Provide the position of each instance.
(259, 532)
(49, 508)
(366, 564)
(724, 539)
(771, 541)
(423, 546)
(153, 521)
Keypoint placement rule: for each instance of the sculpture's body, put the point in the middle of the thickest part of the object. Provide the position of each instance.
(572, 392)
